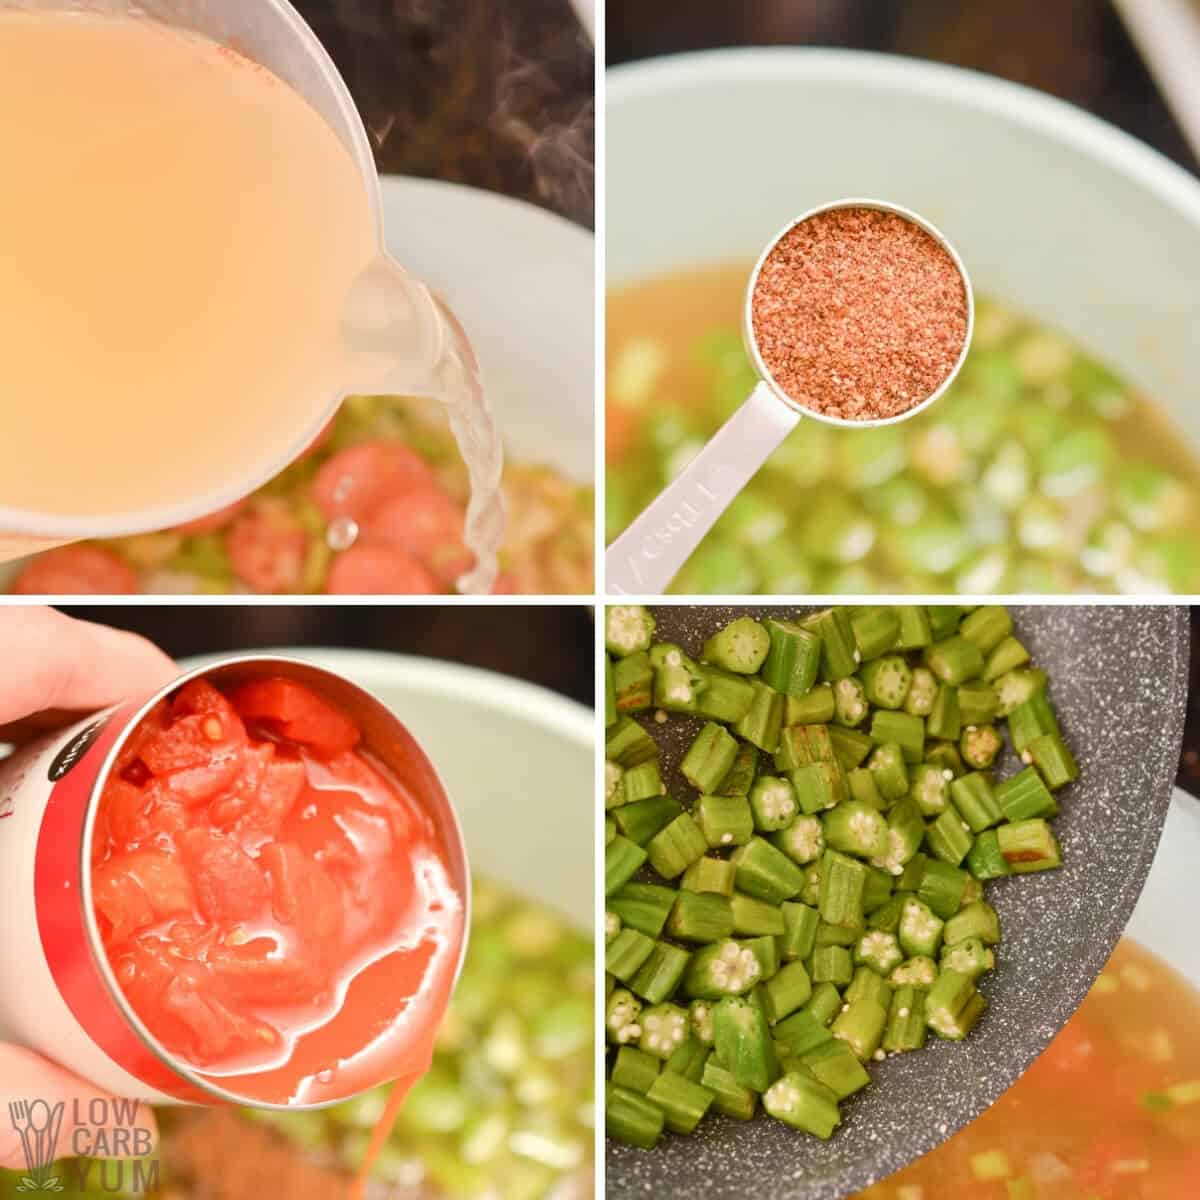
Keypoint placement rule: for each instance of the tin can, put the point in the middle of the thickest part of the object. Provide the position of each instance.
(58, 993)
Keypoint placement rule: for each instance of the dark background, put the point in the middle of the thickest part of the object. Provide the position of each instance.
(497, 94)
(1076, 49)
(550, 645)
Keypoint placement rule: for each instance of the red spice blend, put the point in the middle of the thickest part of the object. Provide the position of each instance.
(859, 314)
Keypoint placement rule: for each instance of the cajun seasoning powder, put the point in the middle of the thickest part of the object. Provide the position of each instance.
(859, 314)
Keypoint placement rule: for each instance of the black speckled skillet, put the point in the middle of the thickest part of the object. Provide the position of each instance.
(1119, 683)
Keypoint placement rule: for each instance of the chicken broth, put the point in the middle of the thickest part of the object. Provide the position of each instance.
(1039, 471)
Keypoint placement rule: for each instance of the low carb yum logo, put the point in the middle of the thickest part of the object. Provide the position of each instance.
(38, 1126)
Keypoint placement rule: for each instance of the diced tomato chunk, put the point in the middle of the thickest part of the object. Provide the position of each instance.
(427, 524)
(357, 481)
(78, 570)
(303, 895)
(135, 890)
(268, 547)
(259, 971)
(229, 885)
(281, 788)
(297, 713)
(214, 1030)
(379, 569)
(148, 728)
(199, 696)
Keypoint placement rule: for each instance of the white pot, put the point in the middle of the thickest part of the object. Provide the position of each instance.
(1053, 211)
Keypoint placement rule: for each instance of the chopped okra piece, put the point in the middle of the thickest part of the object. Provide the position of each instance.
(978, 702)
(803, 841)
(975, 801)
(914, 628)
(793, 658)
(891, 773)
(723, 696)
(922, 692)
(906, 830)
(773, 803)
(799, 930)
(729, 1096)
(799, 1100)
(740, 777)
(832, 964)
(850, 746)
(914, 872)
(987, 626)
(626, 953)
(836, 935)
(901, 729)
(643, 906)
(801, 1032)
(1015, 687)
(674, 848)
(843, 881)
(818, 786)
(837, 1066)
(979, 746)
(622, 1017)
(826, 1001)
(633, 682)
(640, 821)
(920, 932)
(955, 660)
(628, 628)
(839, 654)
(683, 1102)
(740, 647)
(1053, 760)
(1025, 796)
(886, 681)
(946, 756)
(949, 837)
(850, 705)
(642, 782)
(765, 872)
(700, 917)
(862, 788)
(764, 719)
(1031, 719)
(722, 969)
(943, 619)
(1006, 656)
(742, 1043)
(815, 707)
(659, 976)
(1029, 846)
(856, 829)
(810, 891)
(612, 926)
(610, 694)
(621, 860)
(868, 984)
(756, 918)
(709, 875)
(953, 1006)
(627, 744)
(929, 786)
(690, 1058)
(887, 918)
(945, 718)
(787, 990)
(943, 888)
(918, 972)
(709, 758)
(877, 891)
(635, 1069)
(800, 745)
(861, 1026)
(875, 630)
(700, 1015)
(724, 820)
(906, 1021)
(613, 795)
(631, 1118)
(664, 1029)
(970, 957)
(878, 950)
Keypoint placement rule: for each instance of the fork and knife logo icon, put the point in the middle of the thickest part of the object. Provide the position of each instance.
(37, 1124)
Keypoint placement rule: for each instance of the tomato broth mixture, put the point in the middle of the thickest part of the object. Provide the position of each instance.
(276, 908)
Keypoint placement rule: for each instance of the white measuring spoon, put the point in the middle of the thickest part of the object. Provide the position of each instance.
(646, 557)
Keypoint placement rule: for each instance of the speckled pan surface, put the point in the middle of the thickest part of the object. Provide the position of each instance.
(1119, 683)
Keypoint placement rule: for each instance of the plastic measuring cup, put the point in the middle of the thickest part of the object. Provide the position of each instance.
(646, 557)
(388, 307)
